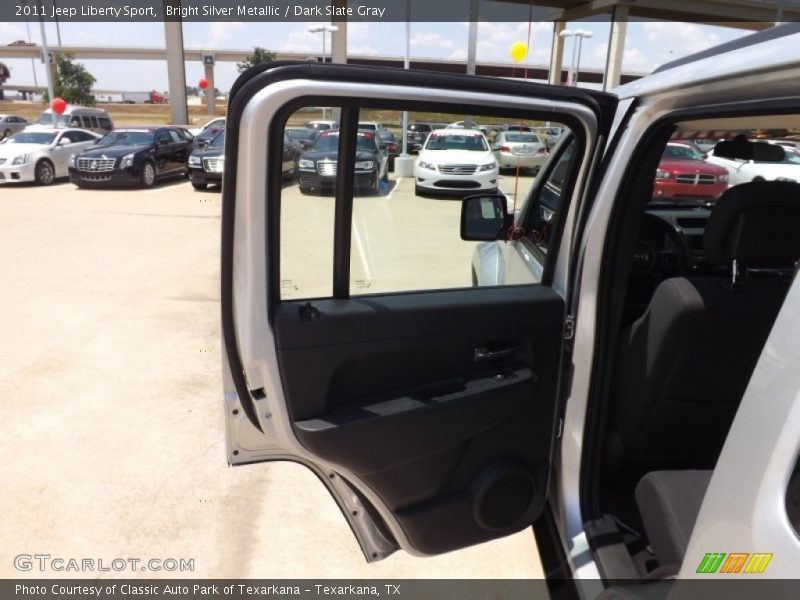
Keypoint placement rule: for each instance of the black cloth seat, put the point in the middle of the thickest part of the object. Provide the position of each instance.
(669, 502)
(684, 365)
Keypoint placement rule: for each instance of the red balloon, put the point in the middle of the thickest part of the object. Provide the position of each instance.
(202, 84)
(58, 105)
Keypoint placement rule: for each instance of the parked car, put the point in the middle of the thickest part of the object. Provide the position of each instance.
(213, 127)
(132, 156)
(763, 162)
(622, 379)
(684, 175)
(417, 134)
(303, 136)
(388, 139)
(206, 164)
(456, 161)
(519, 129)
(519, 149)
(291, 151)
(317, 167)
(370, 126)
(322, 125)
(208, 132)
(41, 155)
(76, 117)
(11, 124)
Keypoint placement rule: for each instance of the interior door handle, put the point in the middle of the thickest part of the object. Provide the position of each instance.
(483, 354)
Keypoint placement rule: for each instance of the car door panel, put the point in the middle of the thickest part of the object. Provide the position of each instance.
(438, 409)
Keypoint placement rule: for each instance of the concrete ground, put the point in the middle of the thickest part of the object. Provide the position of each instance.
(112, 424)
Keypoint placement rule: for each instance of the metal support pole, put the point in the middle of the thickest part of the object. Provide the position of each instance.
(557, 54)
(616, 47)
(578, 62)
(472, 43)
(404, 164)
(211, 96)
(173, 34)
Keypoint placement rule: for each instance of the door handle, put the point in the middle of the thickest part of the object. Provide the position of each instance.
(483, 354)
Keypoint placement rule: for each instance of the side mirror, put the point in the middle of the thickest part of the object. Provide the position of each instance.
(484, 218)
(64, 142)
(704, 155)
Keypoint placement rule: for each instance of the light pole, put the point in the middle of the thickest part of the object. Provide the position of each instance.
(577, 43)
(324, 29)
(404, 164)
(33, 61)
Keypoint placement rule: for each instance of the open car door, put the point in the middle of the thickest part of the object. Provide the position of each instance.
(429, 409)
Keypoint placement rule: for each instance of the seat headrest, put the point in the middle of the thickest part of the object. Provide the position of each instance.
(756, 223)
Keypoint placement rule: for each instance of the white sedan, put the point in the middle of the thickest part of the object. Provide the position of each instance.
(514, 149)
(454, 161)
(41, 155)
(742, 171)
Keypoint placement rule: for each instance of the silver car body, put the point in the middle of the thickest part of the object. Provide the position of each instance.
(56, 152)
(519, 149)
(11, 124)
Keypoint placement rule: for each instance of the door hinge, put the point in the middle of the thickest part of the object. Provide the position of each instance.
(569, 327)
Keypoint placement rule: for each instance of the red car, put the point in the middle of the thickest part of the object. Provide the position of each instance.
(683, 174)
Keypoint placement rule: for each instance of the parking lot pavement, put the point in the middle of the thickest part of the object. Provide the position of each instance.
(112, 423)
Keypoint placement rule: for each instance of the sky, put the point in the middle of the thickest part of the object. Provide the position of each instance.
(648, 45)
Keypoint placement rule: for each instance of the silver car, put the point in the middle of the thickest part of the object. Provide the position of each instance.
(41, 155)
(11, 124)
(521, 149)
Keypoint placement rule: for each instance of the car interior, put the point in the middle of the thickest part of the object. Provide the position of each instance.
(697, 288)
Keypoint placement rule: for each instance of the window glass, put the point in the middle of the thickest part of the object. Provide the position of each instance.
(81, 136)
(307, 203)
(175, 136)
(406, 226)
(405, 231)
(105, 123)
(163, 136)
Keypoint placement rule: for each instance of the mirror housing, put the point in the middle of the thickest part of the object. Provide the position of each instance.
(485, 218)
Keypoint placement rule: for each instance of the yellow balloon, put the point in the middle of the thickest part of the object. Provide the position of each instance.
(518, 51)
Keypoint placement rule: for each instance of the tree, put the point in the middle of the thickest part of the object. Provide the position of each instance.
(73, 82)
(258, 56)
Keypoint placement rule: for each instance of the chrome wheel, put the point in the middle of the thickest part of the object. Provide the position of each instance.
(45, 174)
(148, 175)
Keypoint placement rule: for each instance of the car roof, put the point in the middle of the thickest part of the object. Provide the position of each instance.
(73, 107)
(460, 131)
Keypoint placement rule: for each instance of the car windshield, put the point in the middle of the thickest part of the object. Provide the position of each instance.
(32, 137)
(386, 136)
(681, 152)
(328, 142)
(521, 137)
(134, 137)
(47, 119)
(449, 141)
(219, 141)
